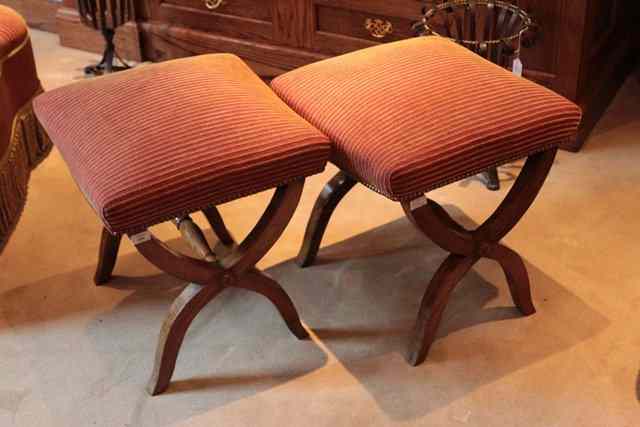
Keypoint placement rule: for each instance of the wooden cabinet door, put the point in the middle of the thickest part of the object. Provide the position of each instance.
(241, 19)
(340, 26)
(604, 23)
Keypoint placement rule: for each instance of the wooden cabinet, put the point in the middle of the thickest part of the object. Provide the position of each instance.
(241, 19)
(343, 26)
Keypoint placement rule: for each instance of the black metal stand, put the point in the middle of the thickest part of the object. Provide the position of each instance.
(108, 62)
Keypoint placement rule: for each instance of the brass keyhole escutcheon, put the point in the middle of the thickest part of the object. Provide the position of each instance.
(213, 4)
(378, 28)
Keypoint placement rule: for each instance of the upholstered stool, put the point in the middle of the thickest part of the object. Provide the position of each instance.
(178, 137)
(23, 144)
(409, 117)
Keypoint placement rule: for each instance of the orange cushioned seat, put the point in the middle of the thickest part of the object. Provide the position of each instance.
(411, 116)
(161, 141)
(23, 144)
(13, 31)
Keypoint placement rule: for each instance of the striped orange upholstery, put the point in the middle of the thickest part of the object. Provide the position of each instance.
(163, 140)
(13, 31)
(411, 116)
(23, 144)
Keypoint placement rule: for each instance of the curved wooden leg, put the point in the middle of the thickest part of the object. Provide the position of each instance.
(217, 224)
(212, 273)
(517, 278)
(466, 247)
(268, 229)
(332, 193)
(107, 255)
(433, 304)
(182, 312)
(257, 282)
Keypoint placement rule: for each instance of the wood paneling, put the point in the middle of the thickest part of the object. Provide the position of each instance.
(191, 14)
(161, 42)
(293, 23)
(260, 10)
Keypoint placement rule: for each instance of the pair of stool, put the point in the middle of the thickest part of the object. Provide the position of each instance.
(159, 142)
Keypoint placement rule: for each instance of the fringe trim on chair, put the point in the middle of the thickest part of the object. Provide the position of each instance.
(28, 146)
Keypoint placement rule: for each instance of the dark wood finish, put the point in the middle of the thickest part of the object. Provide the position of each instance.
(327, 201)
(292, 23)
(107, 255)
(257, 282)
(353, 23)
(235, 26)
(214, 272)
(434, 303)
(161, 42)
(218, 226)
(258, 10)
(465, 247)
(76, 35)
(182, 312)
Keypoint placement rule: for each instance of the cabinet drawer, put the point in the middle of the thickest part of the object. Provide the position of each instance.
(363, 25)
(342, 26)
(242, 19)
(260, 10)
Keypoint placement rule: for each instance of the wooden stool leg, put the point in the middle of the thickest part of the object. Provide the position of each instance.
(107, 255)
(217, 224)
(517, 279)
(211, 274)
(256, 281)
(182, 312)
(333, 192)
(466, 247)
(433, 304)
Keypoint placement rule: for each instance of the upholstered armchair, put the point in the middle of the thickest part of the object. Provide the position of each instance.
(23, 144)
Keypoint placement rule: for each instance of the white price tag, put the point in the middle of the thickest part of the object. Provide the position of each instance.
(518, 68)
(140, 238)
(418, 203)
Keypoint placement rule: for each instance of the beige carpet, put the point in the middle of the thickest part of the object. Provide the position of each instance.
(72, 354)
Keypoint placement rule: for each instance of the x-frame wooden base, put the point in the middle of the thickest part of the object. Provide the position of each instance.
(227, 265)
(466, 247)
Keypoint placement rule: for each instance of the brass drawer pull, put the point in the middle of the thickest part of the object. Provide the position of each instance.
(378, 28)
(213, 4)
